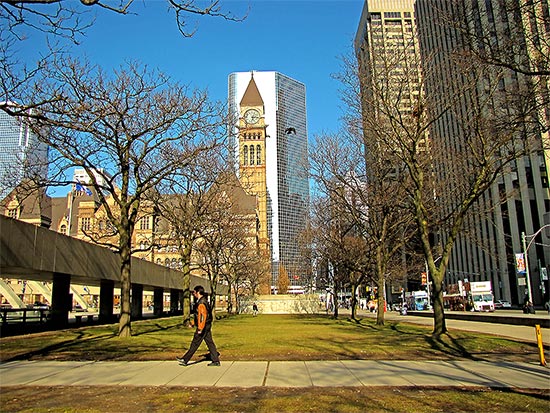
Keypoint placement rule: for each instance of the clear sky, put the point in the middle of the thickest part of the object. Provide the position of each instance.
(302, 39)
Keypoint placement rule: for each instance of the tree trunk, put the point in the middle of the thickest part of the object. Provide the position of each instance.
(353, 302)
(124, 326)
(186, 285)
(381, 300)
(439, 313)
(336, 289)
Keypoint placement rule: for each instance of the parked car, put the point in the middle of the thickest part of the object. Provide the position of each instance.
(502, 304)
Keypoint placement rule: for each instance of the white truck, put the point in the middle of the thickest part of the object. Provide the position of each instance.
(417, 300)
(480, 295)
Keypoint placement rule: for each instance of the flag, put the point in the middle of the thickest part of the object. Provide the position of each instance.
(81, 188)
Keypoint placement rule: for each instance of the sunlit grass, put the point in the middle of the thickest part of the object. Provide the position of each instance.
(266, 337)
(267, 400)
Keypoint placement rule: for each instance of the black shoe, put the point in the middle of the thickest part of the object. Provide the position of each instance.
(214, 363)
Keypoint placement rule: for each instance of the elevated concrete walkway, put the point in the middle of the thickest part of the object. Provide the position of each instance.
(30, 252)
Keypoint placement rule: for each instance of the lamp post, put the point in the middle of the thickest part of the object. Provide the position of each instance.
(526, 259)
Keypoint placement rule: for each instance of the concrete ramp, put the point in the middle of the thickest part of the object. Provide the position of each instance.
(8, 293)
(78, 298)
(42, 289)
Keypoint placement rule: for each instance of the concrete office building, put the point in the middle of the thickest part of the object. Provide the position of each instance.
(388, 58)
(269, 141)
(489, 252)
(22, 155)
(488, 248)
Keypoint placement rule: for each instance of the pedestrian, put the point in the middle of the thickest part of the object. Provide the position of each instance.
(203, 323)
(254, 309)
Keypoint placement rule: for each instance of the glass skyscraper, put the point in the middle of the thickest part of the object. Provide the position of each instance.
(22, 155)
(282, 106)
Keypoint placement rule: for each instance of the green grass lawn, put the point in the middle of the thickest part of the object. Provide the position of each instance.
(266, 337)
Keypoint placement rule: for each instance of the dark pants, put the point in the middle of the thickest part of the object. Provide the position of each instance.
(206, 335)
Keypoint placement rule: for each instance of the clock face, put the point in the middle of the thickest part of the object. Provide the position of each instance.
(251, 116)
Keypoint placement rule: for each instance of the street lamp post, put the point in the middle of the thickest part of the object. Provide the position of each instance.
(526, 258)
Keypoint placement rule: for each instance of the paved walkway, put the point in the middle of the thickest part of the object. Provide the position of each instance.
(455, 373)
(463, 373)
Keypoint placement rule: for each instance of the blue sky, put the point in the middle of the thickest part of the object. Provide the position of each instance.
(302, 39)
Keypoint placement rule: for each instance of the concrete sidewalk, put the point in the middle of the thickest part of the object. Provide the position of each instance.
(463, 373)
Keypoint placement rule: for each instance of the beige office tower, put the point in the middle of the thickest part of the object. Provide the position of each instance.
(513, 215)
(387, 50)
(389, 66)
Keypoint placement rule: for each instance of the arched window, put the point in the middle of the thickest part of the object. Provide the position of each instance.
(258, 155)
(159, 261)
(245, 155)
(251, 154)
(174, 263)
(63, 229)
(167, 262)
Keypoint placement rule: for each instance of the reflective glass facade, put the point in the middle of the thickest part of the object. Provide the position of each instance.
(21, 153)
(286, 163)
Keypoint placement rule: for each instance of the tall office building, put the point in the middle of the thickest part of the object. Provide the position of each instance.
(386, 46)
(388, 59)
(22, 155)
(490, 250)
(269, 141)
(488, 247)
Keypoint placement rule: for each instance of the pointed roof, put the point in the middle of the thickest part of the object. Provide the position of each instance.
(252, 95)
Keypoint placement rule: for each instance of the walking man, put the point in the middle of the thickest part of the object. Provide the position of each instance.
(203, 323)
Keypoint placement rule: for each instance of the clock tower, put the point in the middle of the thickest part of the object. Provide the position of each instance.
(252, 156)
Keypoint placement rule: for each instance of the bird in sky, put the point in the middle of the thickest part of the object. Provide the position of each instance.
(290, 130)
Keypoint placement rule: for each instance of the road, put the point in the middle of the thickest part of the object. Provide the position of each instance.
(523, 333)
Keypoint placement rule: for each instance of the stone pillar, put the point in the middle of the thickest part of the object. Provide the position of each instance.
(62, 301)
(174, 301)
(136, 308)
(106, 301)
(158, 301)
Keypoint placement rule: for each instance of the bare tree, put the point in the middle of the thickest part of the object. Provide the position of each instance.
(71, 18)
(129, 132)
(444, 176)
(523, 44)
(64, 22)
(228, 241)
(257, 272)
(369, 219)
(184, 202)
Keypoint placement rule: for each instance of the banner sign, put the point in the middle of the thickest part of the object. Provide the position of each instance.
(520, 264)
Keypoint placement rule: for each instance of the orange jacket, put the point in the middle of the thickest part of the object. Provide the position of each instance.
(202, 315)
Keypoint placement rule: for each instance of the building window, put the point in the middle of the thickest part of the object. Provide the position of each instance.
(144, 223)
(13, 213)
(258, 155)
(85, 223)
(63, 229)
(245, 155)
(251, 154)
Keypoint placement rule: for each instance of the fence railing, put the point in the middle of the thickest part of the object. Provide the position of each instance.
(24, 315)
